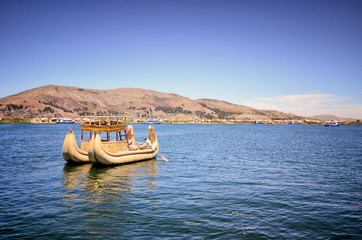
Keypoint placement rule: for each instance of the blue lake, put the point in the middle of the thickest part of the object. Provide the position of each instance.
(222, 182)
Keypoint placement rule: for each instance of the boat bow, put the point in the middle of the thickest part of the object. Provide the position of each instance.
(71, 151)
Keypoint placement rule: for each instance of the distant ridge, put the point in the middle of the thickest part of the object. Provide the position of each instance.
(136, 103)
(331, 118)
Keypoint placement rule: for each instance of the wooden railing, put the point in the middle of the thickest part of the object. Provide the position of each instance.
(103, 124)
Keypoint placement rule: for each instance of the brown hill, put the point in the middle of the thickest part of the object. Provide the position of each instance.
(63, 101)
(331, 118)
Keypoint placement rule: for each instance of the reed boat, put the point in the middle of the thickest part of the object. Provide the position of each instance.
(95, 148)
(135, 152)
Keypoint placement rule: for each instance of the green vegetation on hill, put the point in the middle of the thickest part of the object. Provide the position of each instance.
(173, 110)
(50, 103)
(220, 113)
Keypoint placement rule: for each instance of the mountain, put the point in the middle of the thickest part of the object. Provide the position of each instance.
(331, 118)
(64, 101)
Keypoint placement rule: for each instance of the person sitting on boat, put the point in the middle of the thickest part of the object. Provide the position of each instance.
(147, 144)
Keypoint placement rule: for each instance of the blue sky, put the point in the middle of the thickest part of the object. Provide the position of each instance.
(301, 56)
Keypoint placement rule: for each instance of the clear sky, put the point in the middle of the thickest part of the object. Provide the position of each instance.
(300, 56)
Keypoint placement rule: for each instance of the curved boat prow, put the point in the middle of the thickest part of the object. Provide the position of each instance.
(71, 151)
(153, 138)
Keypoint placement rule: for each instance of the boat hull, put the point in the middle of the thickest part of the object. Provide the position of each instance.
(98, 155)
(71, 151)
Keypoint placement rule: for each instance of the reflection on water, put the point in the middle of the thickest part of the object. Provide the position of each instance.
(104, 183)
(75, 176)
(101, 201)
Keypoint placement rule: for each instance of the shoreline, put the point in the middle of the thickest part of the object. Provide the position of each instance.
(282, 122)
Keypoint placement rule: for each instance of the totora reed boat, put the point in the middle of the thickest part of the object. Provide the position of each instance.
(121, 149)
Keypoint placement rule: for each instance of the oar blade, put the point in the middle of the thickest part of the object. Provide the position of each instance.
(163, 157)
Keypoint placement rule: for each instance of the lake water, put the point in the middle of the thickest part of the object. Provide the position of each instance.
(221, 182)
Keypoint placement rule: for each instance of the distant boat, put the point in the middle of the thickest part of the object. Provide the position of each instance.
(65, 121)
(331, 124)
(153, 121)
(258, 122)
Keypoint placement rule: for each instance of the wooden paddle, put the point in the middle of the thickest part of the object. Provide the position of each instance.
(163, 157)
